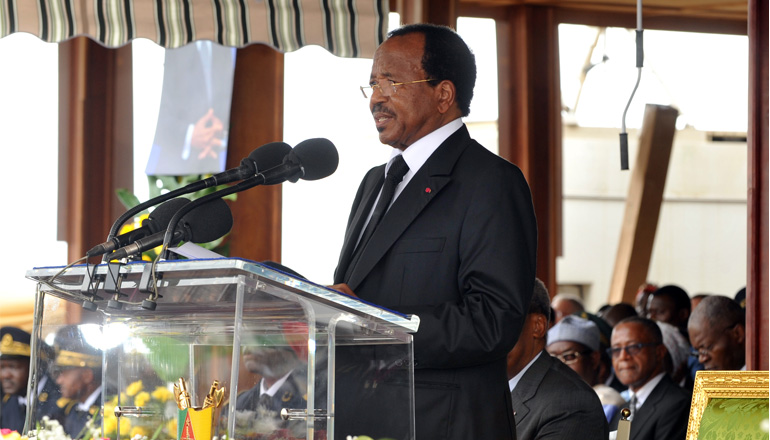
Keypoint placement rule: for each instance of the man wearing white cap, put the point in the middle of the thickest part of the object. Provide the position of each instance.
(575, 341)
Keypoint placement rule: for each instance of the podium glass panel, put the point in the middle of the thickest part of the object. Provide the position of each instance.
(232, 348)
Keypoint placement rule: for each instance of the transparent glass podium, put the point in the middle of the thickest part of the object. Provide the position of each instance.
(272, 356)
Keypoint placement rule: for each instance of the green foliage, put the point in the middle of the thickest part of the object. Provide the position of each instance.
(163, 184)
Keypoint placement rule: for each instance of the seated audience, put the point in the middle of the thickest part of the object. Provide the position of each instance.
(718, 334)
(618, 312)
(696, 299)
(550, 401)
(565, 304)
(642, 296)
(575, 341)
(670, 304)
(659, 408)
(677, 353)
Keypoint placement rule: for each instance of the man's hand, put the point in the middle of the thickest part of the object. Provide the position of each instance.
(344, 289)
(207, 135)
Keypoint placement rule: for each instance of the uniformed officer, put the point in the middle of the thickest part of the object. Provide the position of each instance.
(78, 366)
(15, 353)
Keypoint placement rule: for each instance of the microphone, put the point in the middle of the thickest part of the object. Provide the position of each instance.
(205, 223)
(268, 155)
(264, 157)
(157, 221)
(311, 159)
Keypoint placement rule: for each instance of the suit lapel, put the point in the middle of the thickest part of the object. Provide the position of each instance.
(434, 175)
(369, 192)
(647, 411)
(527, 387)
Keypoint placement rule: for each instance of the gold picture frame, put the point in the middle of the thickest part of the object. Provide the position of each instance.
(729, 400)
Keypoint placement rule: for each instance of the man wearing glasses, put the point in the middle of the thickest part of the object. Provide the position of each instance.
(446, 231)
(718, 334)
(575, 341)
(659, 408)
(550, 400)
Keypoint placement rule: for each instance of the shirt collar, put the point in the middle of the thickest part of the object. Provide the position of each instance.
(515, 379)
(273, 389)
(418, 153)
(85, 406)
(644, 392)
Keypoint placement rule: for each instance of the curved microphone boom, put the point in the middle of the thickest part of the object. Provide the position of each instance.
(157, 221)
(311, 159)
(205, 223)
(265, 157)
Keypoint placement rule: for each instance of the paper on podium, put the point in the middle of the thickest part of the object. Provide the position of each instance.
(195, 252)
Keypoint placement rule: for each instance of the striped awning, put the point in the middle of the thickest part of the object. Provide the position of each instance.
(346, 28)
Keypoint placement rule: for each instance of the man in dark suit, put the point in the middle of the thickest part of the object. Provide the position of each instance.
(457, 245)
(659, 408)
(550, 400)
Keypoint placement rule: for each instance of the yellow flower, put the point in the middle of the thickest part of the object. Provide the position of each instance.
(110, 424)
(134, 388)
(161, 394)
(125, 424)
(171, 427)
(136, 224)
(140, 431)
(142, 398)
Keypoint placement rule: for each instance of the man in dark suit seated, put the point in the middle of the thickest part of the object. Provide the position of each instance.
(79, 367)
(718, 333)
(550, 400)
(659, 408)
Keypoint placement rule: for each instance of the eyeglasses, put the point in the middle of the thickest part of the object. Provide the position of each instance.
(386, 87)
(631, 350)
(571, 357)
(706, 351)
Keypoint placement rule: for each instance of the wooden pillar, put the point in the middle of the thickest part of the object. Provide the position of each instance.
(645, 196)
(757, 277)
(95, 140)
(256, 118)
(442, 12)
(530, 119)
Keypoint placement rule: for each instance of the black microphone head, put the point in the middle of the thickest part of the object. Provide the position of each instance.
(318, 157)
(207, 222)
(160, 217)
(268, 156)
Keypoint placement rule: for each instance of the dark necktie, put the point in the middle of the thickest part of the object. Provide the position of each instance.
(398, 168)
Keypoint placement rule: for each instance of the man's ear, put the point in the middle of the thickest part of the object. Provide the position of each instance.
(539, 325)
(738, 333)
(447, 95)
(88, 375)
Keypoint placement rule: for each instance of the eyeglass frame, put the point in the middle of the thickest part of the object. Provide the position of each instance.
(577, 354)
(631, 350)
(698, 352)
(393, 84)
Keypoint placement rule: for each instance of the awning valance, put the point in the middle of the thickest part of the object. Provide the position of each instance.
(346, 28)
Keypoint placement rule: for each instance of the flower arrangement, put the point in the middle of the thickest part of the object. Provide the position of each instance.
(158, 403)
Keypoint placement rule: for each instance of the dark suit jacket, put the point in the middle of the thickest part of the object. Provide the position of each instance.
(663, 416)
(457, 248)
(551, 401)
